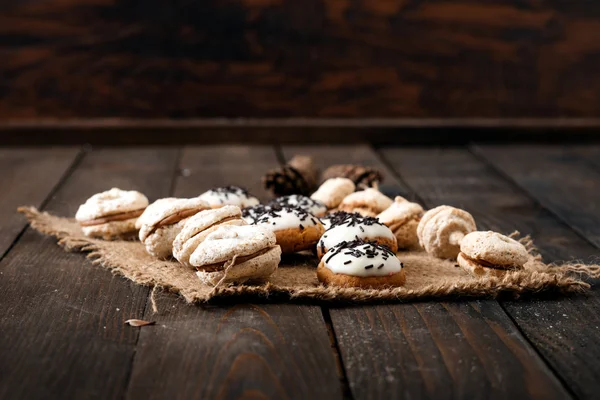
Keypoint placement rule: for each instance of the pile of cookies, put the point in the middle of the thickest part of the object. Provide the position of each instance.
(227, 236)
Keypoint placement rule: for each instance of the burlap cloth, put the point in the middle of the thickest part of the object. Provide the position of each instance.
(296, 278)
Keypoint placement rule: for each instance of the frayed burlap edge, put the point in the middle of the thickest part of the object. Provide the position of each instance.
(298, 281)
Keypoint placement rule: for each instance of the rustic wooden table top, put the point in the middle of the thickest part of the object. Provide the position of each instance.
(61, 318)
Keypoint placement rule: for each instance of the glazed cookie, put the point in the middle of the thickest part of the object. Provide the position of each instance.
(361, 264)
(111, 214)
(229, 195)
(199, 226)
(403, 217)
(333, 191)
(236, 254)
(491, 253)
(354, 226)
(368, 202)
(164, 222)
(307, 204)
(295, 229)
(441, 230)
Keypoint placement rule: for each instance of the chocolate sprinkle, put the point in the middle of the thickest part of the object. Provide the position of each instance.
(297, 201)
(369, 266)
(381, 266)
(347, 262)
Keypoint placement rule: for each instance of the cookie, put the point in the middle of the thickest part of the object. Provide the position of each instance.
(368, 202)
(333, 191)
(361, 264)
(441, 230)
(295, 229)
(229, 195)
(111, 214)
(354, 226)
(199, 226)
(403, 217)
(163, 222)
(309, 205)
(236, 254)
(491, 253)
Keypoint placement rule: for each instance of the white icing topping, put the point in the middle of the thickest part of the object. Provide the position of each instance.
(345, 261)
(284, 218)
(306, 203)
(231, 195)
(345, 232)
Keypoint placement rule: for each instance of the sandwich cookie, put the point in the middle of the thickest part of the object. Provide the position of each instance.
(236, 254)
(403, 217)
(229, 195)
(368, 202)
(295, 229)
(355, 226)
(307, 204)
(111, 214)
(333, 191)
(199, 226)
(361, 264)
(164, 221)
(442, 228)
(490, 253)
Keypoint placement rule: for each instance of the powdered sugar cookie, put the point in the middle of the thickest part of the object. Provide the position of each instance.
(491, 253)
(111, 214)
(403, 217)
(333, 191)
(361, 264)
(368, 202)
(164, 221)
(441, 230)
(236, 254)
(199, 226)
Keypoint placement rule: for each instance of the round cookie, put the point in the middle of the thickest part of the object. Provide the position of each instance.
(295, 229)
(164, 221)
(403, 217)
(361, 264)
(349, 227)
(368, 202)
(441, 230)
(333, 191)
(491, 253)
(236, 254)
(229, 195)
(307, 204)
(111, 214)
(199, 226)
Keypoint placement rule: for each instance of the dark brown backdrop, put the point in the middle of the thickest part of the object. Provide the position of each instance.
(299, 58)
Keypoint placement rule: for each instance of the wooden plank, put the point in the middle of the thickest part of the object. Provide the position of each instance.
(28, 177)
(434, 350)
(62, 319)
(558, 178)
(252, 58)
(563, 330)
(233, 351)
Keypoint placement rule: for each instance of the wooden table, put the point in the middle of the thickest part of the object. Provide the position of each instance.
(61, 320)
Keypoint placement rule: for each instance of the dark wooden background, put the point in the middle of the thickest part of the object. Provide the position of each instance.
(62, 59)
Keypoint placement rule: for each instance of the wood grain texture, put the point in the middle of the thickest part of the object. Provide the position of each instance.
(28, 177)
(62, 319)
(434, 350)
(333, 58)
(232, 351)
(563, 330)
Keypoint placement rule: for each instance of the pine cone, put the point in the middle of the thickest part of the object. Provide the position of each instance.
(361, 175)
(298, 176)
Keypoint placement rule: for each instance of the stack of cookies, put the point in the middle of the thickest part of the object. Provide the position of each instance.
(228, 237)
